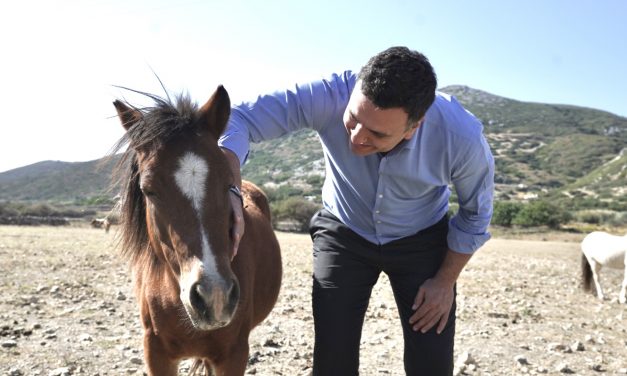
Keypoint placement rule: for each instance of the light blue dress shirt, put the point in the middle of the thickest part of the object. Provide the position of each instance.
(383, 198)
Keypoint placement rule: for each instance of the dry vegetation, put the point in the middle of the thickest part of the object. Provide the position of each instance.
(66, 308)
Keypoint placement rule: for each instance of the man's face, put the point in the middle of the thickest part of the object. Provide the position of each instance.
(372, 129)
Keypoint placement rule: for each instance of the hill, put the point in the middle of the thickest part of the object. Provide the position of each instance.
(541, 150)
(55, 181)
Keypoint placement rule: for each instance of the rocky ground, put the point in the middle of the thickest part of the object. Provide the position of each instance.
(66, 308)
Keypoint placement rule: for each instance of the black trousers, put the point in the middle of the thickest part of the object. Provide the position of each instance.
(346, 268)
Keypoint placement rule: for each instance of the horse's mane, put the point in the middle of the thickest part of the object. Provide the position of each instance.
(152, 127)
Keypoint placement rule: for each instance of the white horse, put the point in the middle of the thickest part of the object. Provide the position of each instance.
(603, 249)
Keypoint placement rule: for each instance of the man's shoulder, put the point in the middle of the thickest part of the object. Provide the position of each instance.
(449, 115)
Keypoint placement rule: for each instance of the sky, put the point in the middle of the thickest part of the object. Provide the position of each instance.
(62, 60)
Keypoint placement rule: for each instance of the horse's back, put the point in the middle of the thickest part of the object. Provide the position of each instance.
(254, 195)
(606, 249)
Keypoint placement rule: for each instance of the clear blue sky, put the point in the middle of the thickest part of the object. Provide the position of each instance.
(60, 58)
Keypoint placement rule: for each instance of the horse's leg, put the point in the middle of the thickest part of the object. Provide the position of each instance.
(234, 364)
(158, 363)
(596, 269)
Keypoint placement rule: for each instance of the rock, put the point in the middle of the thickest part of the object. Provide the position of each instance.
(15, 372)
(577, 346)
(520, 359)
(564, 368)
(120, 296)
(465, 359)
(559, 347)
(85, 338)
(136, 360)
(9, 344)
(271, 343)
(63, 371)
(597, 367)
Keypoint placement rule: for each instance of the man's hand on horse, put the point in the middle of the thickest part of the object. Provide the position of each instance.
(237, 222)
(433, 305)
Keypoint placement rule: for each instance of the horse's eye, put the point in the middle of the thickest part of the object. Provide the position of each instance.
(148, 192)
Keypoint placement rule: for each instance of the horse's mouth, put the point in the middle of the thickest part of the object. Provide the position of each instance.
(204, 318)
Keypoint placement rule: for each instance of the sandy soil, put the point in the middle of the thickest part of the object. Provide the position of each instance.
(66, 308)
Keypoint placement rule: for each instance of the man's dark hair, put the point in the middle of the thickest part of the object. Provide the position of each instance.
(400, 77)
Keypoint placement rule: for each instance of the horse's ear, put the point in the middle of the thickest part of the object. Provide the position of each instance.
(128, 116)
(215, 113)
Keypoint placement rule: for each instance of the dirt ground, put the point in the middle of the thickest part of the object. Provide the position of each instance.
(66, 308)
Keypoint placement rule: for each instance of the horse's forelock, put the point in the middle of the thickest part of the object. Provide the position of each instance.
(153, 128)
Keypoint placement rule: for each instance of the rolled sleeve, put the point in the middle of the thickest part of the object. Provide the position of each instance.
(312, 105)
(235, 138)
(474, 183)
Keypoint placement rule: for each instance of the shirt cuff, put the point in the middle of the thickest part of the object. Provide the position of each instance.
(464, 242)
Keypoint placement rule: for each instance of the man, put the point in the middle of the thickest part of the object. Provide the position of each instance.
(392, 145)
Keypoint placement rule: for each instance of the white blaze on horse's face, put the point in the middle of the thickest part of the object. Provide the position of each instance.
(191, 178)
(208, 297)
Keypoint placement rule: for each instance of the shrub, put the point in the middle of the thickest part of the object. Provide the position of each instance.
(541, 213)
(594, 217)
(505, 212)
(294, 209)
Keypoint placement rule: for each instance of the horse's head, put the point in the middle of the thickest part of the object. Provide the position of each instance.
(180, 186)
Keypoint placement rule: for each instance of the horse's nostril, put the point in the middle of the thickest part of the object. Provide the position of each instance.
(233, 293)
(195, 296)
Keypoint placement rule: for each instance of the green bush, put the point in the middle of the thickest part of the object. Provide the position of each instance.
(594, 217)
(541, 213)
(619, 219)
(294, 209)
(505, 212)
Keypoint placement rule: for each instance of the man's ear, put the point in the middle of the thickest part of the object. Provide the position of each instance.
(413, 127)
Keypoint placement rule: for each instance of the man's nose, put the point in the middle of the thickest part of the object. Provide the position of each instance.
(358, 134)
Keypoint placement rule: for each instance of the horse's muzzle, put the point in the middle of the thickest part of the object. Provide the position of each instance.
(212, 305)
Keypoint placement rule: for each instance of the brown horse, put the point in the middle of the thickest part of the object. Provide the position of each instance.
(194, 301)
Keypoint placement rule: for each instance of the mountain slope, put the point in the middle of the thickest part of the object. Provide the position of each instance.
(57, 181)
(545, 150)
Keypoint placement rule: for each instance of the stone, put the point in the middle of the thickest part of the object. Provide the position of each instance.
(520, 359)
(9, 344)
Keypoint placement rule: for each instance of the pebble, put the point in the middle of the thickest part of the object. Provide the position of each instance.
(564, 368)
(520, 359)
(578, 346)
(63, 371)
(15, 372)
(597, 367)
(136, 360)
(9, 344)
(465, 359)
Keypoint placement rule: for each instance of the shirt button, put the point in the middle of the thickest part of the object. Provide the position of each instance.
(380, 196)
(378, 221)
(377, 211)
